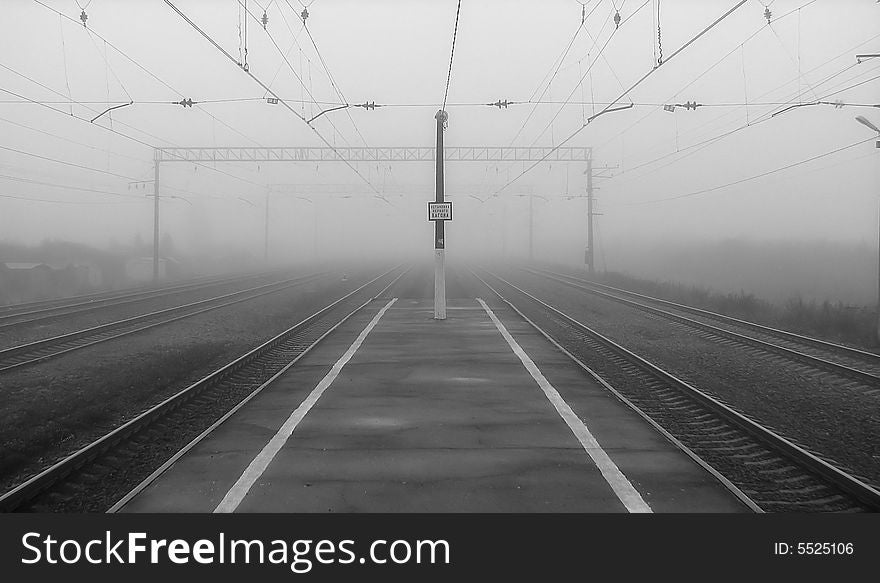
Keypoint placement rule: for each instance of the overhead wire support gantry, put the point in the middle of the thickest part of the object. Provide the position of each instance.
(374, 154)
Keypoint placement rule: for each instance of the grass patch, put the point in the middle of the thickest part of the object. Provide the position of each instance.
(833, 321)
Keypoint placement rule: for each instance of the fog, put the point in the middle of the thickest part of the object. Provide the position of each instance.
(724, 195)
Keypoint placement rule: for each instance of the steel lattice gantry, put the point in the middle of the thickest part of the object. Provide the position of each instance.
(345, 154)
(459, 189)
(350, 154)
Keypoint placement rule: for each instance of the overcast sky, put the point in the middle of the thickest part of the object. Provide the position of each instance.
(396, 53)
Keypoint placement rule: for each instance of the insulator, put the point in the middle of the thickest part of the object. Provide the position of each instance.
(617, 19)
(305, 14)
(767, 14)
(83, 16)
(264, 19)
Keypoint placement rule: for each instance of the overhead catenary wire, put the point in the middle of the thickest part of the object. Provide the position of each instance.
(626, 92)
(618, 24)
(69, 187)
(72, 202)
(607, 63)
(26, 99)
(159, 80)
(558, 62)
(163, 101)
(590, 67)
(451, 56)
(106, 60)
(298, 77)
(429, 104)
(659, 38)
(853, 86)
(273, 93)
(795, 61)
(776, 171)
(333, 82)
(56, 136)
(370, 105)
(344, 101)
(539, 102)
(694, 148)
(294, 43)
(583, 75)
(701, 75)
(165, 84)
(750, 178)
(564, 52)
(59, 161)
(94, 148)
(156, 78)
(64, 60)
(152, 146)
(48, 105)
(698, 146)
(66, 163)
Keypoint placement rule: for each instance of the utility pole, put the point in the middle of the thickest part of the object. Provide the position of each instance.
(439, 231)
(531, 226)
(266, 230)
(156, 221)
(867, 123)
(589, 251)
(504, 229)
(531, 196)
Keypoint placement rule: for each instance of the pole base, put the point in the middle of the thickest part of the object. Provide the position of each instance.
(439, 284)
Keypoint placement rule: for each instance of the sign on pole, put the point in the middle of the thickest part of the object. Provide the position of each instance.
(439, 211)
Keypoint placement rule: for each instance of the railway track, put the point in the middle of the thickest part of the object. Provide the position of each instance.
(99, 296)
(31, 314)
(109, 470)
(856, 369)
(773, 472)
(39, 351)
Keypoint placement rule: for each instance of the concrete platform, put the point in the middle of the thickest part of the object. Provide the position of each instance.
(434, 416)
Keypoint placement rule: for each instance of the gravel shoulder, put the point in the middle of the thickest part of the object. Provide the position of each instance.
(812, 409)
(49, 328)
(52, 409)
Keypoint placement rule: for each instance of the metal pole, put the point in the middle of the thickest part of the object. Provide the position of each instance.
(156, 221)
(877, 145)
(439, 232)
(504, 230)
(531, 226)
(266, 232)
(590, 264)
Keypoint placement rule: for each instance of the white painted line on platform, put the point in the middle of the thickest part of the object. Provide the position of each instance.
(259, 464)
(622, 487)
